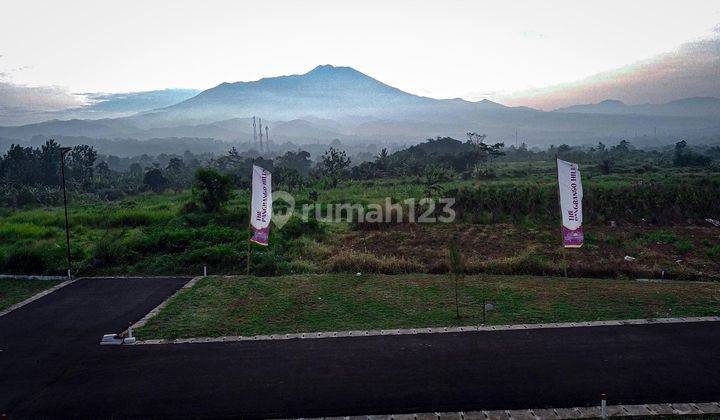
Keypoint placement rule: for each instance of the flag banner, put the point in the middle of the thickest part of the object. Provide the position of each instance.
(571, 194)
(261, 205)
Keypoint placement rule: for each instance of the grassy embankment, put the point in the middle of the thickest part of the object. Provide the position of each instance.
(218, 306)
(150, 234)
(13, 291)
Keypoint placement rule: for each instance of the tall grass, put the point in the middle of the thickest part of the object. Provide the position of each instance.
(661, 202)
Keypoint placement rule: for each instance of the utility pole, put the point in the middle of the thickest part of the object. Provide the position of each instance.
(254, 133)
(63, 152)
(267, 140)
(261, 143)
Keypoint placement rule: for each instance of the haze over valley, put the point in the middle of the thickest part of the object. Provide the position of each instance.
(562, 80)
(330, 102)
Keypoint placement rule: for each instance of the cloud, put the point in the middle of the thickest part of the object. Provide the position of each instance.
(21, 104)
(691, 70)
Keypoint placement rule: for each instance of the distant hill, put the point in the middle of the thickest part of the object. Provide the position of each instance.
(324, 92)
(134, 102)
(103, 106)
(689, 107)
(331, 102)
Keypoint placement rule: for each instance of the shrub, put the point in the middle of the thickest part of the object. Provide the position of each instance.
(110, 194)
(662, 236)
(220, 258)
(268, 262)
(110, 251)
(713, 251)
(296, 227)
(212, 189)
(25, 261)
(684, 246)
(42, 258)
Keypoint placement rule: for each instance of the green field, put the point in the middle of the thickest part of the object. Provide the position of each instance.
(13, 291)
(156, 234)
(219, 306)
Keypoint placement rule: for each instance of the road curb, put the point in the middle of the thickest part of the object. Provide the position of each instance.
(142, 321)
(640, 410)
(37, 296)
(414, 331)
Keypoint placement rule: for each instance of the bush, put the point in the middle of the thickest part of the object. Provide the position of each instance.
(296, 227)
(662, 237)
(27, 261)
(24, 261)
(109, 251)
(684, 246)
(212, 190)
(110, 194)
(267, 262)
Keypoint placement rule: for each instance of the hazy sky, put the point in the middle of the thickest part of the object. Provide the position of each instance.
(469, 49)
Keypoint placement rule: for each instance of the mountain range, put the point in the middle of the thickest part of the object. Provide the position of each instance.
(689, 107)
(331, 102)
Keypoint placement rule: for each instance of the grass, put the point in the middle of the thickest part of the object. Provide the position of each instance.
(13, 291)
(219, 306)
(151, 234)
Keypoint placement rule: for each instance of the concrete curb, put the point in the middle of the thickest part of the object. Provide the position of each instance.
(31, 277)
(641, 410)
(412, 331)
(164, 303)
(37, 296)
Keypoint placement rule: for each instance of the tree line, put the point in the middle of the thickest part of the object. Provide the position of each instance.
(32, 175)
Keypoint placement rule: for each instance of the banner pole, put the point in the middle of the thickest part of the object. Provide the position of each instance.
(562, 248)
(249, 254)
(249, 250)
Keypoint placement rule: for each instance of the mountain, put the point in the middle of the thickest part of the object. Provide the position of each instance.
(331, 102)
(689, 107)
(325, 92)
(608, 106)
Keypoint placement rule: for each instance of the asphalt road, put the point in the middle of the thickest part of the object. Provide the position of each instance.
(52, 366)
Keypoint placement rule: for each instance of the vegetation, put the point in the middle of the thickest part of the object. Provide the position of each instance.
(164, 234)
(212, 190)
(188, 212)
(14, 291)
(457, 268)
(219, 306)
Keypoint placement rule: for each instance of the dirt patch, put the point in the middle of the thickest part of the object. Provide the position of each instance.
(679, 252)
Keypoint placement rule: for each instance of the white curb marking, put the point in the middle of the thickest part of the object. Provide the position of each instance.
(164, 303)
(439, 330)
(122, 339)
(37, 296)
(649, 410)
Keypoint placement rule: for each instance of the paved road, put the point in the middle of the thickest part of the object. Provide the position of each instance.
(68, 373)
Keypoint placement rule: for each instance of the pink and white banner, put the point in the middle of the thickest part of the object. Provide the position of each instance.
(261, 205)
(571, 193)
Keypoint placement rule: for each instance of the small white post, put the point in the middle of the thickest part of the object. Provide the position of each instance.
(129, 339)
(603, 406)
(69, 275)
(204, 270)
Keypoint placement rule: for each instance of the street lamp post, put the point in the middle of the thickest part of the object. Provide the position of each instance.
(63, 152)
